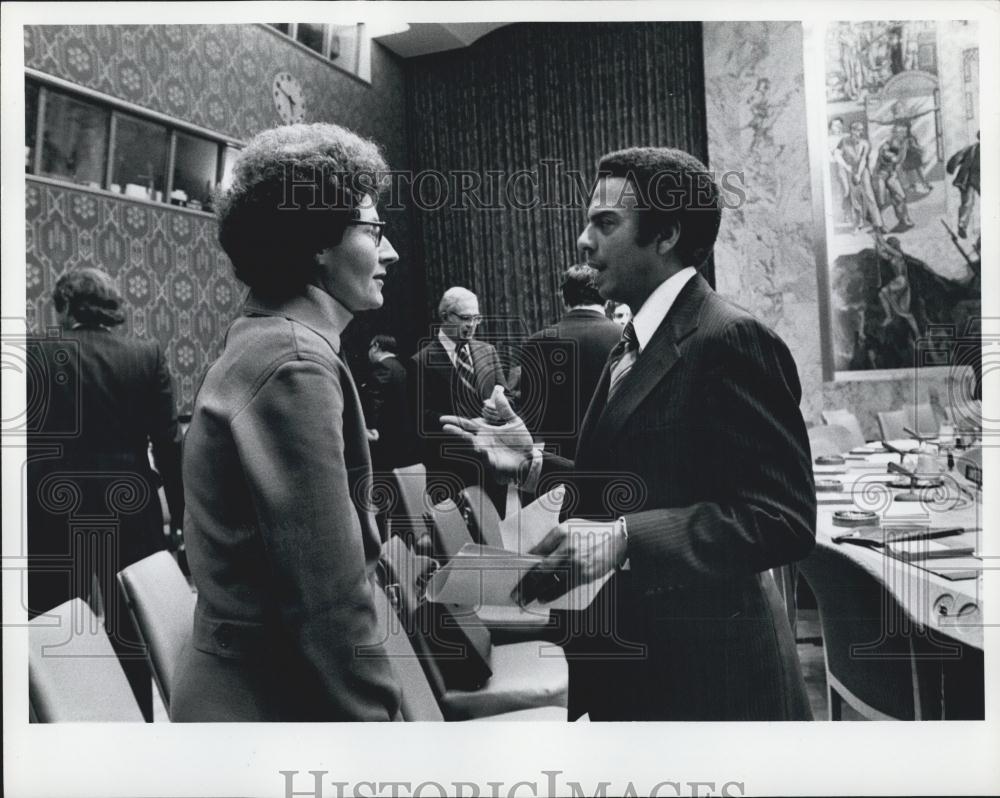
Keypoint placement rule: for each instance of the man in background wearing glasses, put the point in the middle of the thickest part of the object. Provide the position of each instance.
(453, 374)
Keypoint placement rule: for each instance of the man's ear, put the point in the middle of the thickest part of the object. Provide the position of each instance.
(666, 241)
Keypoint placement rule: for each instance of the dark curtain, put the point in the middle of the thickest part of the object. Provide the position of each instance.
(522, 97)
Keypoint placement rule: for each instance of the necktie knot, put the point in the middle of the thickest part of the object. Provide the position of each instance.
(629, 338)
(623, 357)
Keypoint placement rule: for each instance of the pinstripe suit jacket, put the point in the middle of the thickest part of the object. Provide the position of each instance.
(703, 450)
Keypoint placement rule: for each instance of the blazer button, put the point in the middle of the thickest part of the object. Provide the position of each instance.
(222, 637)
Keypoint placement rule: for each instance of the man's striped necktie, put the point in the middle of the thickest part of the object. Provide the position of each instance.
(623, 357)
(463, 362)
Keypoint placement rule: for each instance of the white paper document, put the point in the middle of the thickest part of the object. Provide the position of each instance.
(481, 575)
(485, 576)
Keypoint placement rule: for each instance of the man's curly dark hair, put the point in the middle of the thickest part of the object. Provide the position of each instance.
(671, 187)
(294, 191)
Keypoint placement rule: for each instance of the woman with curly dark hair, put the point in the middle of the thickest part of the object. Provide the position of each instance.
(281, 542)
(93, 507)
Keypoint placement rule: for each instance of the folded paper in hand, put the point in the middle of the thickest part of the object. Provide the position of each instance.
(484, 575)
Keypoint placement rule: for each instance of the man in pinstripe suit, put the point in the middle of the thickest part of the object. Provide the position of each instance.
(693, 456)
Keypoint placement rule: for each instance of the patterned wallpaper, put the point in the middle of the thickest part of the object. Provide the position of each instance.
(176, 281)
(175, 278)
(765, 259)
(219, 76)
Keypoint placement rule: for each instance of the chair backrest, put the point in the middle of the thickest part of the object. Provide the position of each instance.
(922, 419)
(73, 673)
(418, 701)
(874, 650)
(409, 516)
(406, 573)
(450, 530)
(829, 439)
(484, 519)
(892, 424)
(453, 644)
(967, 415)
(162, 607)
(846, 419)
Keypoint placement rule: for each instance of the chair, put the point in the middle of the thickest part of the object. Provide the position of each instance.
(878, 660)
(448, 530)
(922, 419)
(829, 439)
(847, 420)
(162, 606)
(892, 423)
(968, 416)
(418, 701)
(409, 518)
(484, 520)
(522, 676)
(73, 673)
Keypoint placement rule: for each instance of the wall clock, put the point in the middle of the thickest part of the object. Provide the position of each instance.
(289, 98)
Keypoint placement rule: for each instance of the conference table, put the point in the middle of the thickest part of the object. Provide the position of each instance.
(897, 572)
(941, 593)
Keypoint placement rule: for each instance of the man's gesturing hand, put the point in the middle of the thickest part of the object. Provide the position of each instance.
(506, 443)
(576, 552)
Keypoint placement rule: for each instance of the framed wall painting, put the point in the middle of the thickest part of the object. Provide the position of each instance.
(899, 269)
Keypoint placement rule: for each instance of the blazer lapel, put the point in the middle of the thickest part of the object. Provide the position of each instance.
(656, 361)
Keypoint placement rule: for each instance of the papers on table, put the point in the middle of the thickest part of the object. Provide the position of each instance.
(912, 550)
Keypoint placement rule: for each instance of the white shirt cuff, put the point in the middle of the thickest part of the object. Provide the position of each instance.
(530, 481)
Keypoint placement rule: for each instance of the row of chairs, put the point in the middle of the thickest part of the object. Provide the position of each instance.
(74, 673)
(841, 431)
(896, 424)
(75, 676)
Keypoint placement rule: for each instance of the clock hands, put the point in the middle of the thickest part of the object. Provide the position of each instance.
(287, 95)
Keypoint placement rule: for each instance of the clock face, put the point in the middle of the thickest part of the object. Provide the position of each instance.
(289, 98)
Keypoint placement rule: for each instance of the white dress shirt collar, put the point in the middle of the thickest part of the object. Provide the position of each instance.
(654, 310)
(449, 346)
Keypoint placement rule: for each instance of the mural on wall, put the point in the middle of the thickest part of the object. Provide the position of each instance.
(901, 187)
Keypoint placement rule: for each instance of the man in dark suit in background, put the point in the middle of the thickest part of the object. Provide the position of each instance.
(92, 499)
(693, 468)
(387, 408)
(560, 365)
(452, 375)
